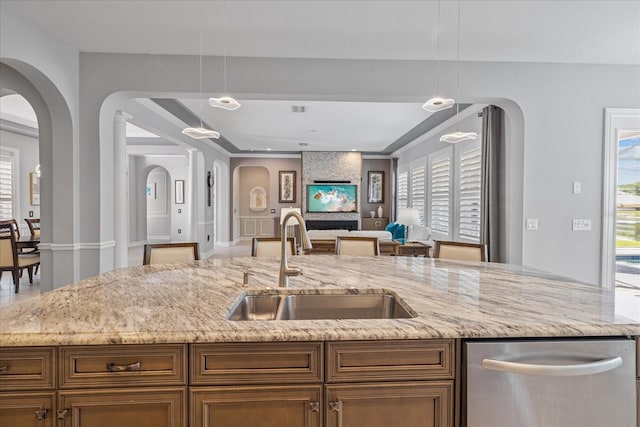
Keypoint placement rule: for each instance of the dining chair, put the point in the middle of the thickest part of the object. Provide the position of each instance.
(460, 251)
(34, 226)
(11, 260)
(164, 253)
(271, 246)
(357, 245)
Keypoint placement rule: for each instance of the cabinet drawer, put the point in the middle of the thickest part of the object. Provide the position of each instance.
(256, 363)
(31, 368)
(390, 360)
(123, 365)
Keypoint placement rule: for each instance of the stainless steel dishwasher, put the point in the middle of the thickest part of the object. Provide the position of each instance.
(551, 383)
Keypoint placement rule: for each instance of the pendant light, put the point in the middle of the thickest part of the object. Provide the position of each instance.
(438, 103)
(201, 132)
(225, 102)
(458, 136)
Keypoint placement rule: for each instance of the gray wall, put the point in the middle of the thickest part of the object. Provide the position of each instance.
(376, 165)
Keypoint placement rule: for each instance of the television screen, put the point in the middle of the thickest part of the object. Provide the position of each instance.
(332, 198)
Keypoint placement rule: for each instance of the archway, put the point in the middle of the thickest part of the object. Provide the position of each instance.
(158, 199)
(59, 264)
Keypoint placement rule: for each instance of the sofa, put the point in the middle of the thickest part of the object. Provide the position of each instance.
(324, 241)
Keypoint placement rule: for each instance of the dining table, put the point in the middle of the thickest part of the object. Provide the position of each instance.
(28, 242)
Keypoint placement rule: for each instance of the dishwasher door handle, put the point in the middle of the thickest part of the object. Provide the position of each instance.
(589, 368)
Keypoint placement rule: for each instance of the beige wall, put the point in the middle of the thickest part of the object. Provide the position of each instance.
(376, 165)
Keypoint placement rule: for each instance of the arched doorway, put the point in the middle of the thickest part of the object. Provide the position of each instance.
(158, 199)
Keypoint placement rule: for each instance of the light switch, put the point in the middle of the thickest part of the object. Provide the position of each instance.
(577, 187)
(532, 224)
(581, 225)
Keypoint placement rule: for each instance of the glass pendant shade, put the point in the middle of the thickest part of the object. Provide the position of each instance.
(201, 133)
(226, 102)
(458, 136)
(437, 104)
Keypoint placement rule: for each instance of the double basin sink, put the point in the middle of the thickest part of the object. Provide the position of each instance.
(313, 306)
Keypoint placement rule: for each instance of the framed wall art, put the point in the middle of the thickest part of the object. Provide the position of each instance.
(375, 187)
(287, 187)
(34, 188)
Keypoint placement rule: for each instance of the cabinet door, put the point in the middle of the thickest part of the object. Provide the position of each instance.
(144, 407)
(264, 406)
(27, 409)
(415, 404)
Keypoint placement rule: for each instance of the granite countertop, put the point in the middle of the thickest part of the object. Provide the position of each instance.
(178, 303)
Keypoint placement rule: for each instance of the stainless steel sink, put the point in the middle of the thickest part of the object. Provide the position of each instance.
(382, 305)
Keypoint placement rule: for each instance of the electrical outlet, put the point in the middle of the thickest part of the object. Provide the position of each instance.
(179, 230)
(208, 237)
(532, 224)
(581, 225)
(30, 214)
(179, 210)
(577, 187)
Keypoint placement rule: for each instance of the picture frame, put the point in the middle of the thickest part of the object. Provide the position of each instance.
(375, 187)
(287, 187)
(179, 191)
(34, 189)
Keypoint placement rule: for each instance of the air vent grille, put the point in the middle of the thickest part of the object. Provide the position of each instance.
(298, 108)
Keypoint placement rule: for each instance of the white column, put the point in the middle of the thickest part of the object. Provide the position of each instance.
(192, 200)
(121, 190)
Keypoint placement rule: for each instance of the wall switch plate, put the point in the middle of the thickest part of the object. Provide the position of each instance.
(577, 187)
(532, 224)
(273, 211)
(30, 214)
(179, 210)
(581, 225)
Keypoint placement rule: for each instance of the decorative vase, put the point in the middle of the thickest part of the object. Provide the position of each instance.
(380, 211)
(373, 214)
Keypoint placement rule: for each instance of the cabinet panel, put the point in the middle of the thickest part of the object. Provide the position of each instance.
(375, 223)
(253, 363)
(27, 368)
(122, 365)
(412, 404)
(264, 406)
(390, 360)
(145, 407)
(27, 409)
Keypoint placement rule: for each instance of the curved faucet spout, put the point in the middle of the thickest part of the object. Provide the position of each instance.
(285, 270)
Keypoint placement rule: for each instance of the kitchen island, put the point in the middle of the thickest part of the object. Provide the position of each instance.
(176, 313)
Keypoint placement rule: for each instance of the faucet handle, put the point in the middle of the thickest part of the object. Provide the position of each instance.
(245, 279)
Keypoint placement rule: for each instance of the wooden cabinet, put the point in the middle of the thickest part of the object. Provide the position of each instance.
(122, 385)
(409, 404)
(363, 387)
(283, 384)
(264, 406)
(375, 223)
(27, 409)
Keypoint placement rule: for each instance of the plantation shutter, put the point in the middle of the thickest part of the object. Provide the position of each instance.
(403, 191)
(7, 185)
(440, 192)
(418, 190)
(470, 179)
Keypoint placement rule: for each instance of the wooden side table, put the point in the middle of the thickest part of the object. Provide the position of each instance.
(413, 249)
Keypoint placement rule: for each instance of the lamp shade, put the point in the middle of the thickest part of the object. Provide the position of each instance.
(292, 220)
(408, 216)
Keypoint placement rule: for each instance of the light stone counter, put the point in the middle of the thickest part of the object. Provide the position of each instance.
(180, 303)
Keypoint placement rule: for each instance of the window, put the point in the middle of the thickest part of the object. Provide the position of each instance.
(7, 184)
(418, 188)
(454, 195)
(403, 189)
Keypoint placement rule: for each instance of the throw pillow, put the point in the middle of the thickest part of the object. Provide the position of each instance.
(398, 232)
(391, 226)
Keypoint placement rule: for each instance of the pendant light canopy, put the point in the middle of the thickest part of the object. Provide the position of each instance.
(225, 102)
(201, 132)
(438, 103)
(458, 136)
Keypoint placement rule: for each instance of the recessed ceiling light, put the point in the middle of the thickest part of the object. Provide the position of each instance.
(201, 133)
(268, 149)
(354, 149)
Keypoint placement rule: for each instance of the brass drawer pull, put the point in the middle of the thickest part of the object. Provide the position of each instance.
(4, 368)
(112, 367)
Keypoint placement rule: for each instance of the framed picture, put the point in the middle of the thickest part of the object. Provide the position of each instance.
(179, 190)
(287, 187)
(34, 188)
(375, 187)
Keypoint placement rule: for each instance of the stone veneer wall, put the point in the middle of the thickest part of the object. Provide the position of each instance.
(335, 165)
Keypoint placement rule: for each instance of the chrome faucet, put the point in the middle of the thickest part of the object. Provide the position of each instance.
(285, 270)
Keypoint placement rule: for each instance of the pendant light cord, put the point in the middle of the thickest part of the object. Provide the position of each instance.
(458, 71)
(201, 110)
(224, 45)
(438, 53)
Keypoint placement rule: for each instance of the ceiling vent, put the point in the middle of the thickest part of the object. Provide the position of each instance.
(303, 144)
(298, 108)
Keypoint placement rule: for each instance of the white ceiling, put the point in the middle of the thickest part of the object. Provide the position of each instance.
(559, 31)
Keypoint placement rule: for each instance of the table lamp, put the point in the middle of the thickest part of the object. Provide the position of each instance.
(408, 217)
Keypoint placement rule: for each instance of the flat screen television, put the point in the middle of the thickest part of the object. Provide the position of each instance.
(332, 198)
